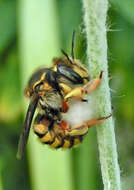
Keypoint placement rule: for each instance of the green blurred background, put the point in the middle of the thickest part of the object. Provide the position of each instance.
(32, 32)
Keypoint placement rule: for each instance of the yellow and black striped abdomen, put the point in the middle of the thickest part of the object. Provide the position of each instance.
(58, 141)
(62, 142)
(50, 132)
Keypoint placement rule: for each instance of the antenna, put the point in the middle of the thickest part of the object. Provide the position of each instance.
(66, 55)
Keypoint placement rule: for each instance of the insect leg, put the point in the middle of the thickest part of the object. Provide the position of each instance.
(82, 128)
(80, 92)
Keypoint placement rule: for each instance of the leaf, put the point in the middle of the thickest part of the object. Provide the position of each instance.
(7, 23)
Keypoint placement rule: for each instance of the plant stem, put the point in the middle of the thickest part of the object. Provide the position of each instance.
(95, 12)
(1, 185)
(39, 43)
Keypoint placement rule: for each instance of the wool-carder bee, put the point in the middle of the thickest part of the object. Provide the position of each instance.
(52, 91)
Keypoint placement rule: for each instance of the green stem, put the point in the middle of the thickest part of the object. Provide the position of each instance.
(95, 12)
(1, 184)
(39, 43)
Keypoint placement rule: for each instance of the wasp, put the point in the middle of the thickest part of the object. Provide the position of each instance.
(51, 91)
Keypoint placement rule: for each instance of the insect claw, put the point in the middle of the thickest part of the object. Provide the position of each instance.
(101, 75)
(108, 116)
(84, 100)
(103, 118)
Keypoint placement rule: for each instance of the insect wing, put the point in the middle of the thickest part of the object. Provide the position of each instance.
(26, 128)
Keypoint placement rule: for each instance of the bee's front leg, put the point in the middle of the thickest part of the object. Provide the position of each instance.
(80, 92)
(82, 128)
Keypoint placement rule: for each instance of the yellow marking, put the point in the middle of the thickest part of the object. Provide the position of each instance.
(56, 143)
(46, 138)
(55, 68)
(27, 93)
(65, 88)
(80, 130)
(85, 81)
(76, 141)
(41, 79)
(55, 62)
(46, 86)
(77, 93)
(66, 144)
(77, 70)
(82, 73)
(78, 64)
(39, 128)
(43, 76)
(36, 83)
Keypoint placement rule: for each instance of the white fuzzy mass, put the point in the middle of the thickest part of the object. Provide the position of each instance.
(78, 112)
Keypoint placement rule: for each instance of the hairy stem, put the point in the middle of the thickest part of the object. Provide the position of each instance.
(95, 12)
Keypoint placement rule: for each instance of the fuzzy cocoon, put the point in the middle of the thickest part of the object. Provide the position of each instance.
(79, 112)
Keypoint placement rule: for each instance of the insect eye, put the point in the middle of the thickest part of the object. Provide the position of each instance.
(37, 87)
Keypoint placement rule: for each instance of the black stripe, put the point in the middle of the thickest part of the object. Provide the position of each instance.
(39, 135)
(71, 142)
(62, 143)
(80, 138)
(50, 111)
(49, 142)
(68, 139)
(38, 118)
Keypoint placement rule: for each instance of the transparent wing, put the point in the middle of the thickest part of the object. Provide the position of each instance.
(27, 124)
